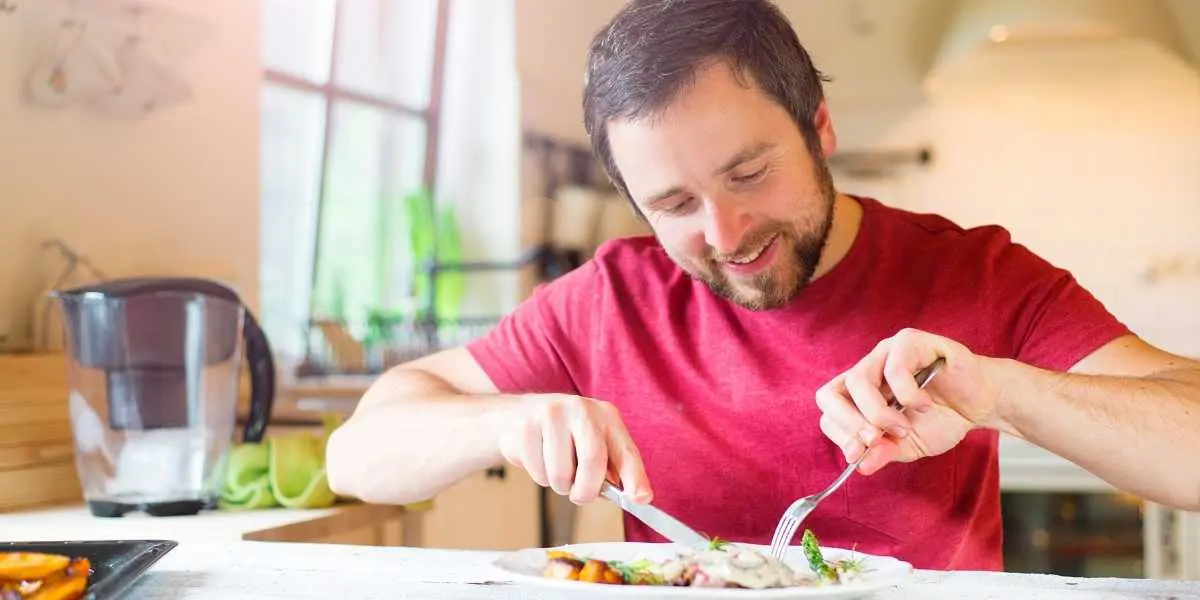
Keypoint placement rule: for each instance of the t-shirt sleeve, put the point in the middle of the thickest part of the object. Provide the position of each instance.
(541, 347)
(1059, 321)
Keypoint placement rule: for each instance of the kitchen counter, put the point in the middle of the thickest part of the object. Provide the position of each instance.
(245, 570)
(275, 525)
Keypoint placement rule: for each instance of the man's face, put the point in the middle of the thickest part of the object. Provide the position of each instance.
(732, 192)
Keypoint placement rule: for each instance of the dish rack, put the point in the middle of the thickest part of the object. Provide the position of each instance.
(333, 350)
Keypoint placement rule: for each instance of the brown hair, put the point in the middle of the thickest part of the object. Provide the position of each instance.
(651, 49)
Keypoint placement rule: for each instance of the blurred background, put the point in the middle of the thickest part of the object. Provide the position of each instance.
(379, 179)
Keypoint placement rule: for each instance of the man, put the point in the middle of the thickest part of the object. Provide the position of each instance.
(735, 361)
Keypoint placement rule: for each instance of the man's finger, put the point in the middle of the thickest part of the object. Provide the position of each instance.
(834, 401)
(558, 449)
(850, 446)
(882, 452)
(863, 383)
(530, 452)
(591, 458)
(911, 351)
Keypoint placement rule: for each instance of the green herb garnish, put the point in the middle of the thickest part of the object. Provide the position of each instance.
(816, 561)
(637, 572)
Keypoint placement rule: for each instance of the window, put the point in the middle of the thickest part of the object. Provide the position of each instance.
(350, 100)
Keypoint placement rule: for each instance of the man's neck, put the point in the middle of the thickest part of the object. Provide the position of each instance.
(847, 220)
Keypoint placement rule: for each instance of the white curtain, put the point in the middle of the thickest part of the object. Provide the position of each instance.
(480, 145)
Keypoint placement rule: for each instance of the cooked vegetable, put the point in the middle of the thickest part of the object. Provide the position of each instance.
(598, 571)
(562, 567)
(36, 576)
(720, 564)
(816, 561)
(838, 571)
(30, 566)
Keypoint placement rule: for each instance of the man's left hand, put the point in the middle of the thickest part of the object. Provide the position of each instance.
(854, 405)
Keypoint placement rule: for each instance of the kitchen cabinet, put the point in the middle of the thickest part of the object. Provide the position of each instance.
(496, 509)
(1061, 519)
(599, 521)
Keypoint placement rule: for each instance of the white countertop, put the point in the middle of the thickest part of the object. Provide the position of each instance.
(76, 523)
(263, 570)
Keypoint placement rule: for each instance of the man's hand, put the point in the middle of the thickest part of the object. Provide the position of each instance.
(571, 444)
(855, 403)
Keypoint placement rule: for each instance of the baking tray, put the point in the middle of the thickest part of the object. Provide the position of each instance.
(116, 564)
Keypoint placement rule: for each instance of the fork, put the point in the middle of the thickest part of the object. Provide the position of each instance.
(800, 509)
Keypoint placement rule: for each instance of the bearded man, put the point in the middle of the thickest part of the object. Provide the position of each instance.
(739, 357)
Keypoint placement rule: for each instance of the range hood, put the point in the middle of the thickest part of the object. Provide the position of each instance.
(982, 34)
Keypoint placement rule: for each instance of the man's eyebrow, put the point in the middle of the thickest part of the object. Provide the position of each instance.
(750, 153)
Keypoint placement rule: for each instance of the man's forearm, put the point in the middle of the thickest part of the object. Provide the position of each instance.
(1141, 434)
(411, 438)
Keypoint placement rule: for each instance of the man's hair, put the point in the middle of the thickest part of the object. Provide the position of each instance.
(652, 49)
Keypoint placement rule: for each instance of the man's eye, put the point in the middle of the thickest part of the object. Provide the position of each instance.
(679, 207)
(752, 177)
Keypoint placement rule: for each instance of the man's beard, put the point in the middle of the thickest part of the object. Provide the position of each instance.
(778, 285)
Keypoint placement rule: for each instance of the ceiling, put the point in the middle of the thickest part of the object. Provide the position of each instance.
(878, 51)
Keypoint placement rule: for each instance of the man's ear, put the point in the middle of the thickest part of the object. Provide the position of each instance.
(824, 126)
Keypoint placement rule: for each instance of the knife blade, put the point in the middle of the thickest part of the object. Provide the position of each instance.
(655, 518)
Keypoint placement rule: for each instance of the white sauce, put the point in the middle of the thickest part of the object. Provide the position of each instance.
(744, 567)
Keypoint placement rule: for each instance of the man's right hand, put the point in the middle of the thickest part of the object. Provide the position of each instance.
(572, 444)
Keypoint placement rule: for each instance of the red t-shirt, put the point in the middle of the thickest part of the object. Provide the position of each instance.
(719, 399)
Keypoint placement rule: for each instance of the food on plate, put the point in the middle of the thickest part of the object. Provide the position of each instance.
(721, 564)
(40, 576)
(826, 571)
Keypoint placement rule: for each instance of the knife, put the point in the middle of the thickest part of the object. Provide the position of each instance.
(670, 527)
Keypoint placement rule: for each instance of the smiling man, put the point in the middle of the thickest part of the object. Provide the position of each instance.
(736, 360)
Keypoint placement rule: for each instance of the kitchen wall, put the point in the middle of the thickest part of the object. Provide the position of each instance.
(1088, 155)
(173, 193)
(552, 42)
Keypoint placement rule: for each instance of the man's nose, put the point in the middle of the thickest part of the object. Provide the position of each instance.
(726, 224)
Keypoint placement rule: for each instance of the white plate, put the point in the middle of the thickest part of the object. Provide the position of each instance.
(525, 566)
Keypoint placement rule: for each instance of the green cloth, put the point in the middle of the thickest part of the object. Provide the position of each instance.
(281, 471)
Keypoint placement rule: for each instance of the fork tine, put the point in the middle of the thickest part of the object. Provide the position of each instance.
(779, 528)
(780, 545)
(782, 526)
(783, 534)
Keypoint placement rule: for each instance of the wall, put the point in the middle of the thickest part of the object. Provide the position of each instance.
(174, 193)
(1088, 155)
(552, 41)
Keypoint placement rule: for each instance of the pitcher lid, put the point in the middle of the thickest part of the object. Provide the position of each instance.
(138, 286)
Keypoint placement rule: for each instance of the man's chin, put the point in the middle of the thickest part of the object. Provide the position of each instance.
(757, 296)
(762, 300)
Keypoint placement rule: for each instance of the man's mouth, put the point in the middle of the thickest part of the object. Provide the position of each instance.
(753, 256)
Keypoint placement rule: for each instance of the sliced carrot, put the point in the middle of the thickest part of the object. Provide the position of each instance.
(67, 588)
(29, 566)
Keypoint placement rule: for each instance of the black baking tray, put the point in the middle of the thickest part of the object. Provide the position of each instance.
(116, 564)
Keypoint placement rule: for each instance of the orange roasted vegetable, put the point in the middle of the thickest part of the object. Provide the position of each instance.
(30, 566)
(598, 571)
(68, 581)
(563, 567)
(70, 587)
